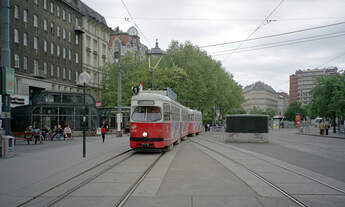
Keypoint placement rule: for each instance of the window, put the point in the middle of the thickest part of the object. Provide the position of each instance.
(58, 31)
(69, 55)
(52, 48)
(147, 113)
(69, 36)
(16, 60)
(36, 43)
(45, 68)
(69, 18)
(58, 51)
(16, 36)
(58, 11)
(45, 25)
(52, 28)
(76, 39)
(51, 70)
(35, 21)
(76, 58)
(35, 67)
(25, 63)
(63, 14)
(45, 46)
(69, 74)
(76, 22)
(36, 2)
(166, 110)
(64, 53)
(25, 15)
(64, 73)
(64, 33)
(76, 76)
(16, 12)
(58, 72)
(51, 7)
(45, 4)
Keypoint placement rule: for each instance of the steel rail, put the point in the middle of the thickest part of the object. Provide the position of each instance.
(72, 178)
(291, 170)
(134, 186)
(285, 193)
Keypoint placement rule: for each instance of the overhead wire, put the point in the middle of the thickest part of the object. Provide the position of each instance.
(274, 35)
(330, 60)
(266, 20)
(135, 24)
(284, 41)
(279, 45)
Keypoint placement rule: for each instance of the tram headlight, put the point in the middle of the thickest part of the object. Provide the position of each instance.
(144, 134)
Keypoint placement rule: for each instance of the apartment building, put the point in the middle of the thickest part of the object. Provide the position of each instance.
(45, 42)
(302, 82)
(95, 47)
(259, 95)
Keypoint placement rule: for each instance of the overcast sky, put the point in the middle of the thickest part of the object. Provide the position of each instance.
(205, 22)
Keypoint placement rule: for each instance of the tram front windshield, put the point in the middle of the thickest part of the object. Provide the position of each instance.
(147, 113)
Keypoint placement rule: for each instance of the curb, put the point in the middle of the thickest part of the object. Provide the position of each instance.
(326, 136)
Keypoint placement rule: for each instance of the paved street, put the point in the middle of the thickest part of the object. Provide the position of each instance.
(202, 171)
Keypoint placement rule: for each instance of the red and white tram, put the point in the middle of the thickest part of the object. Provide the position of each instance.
(157, 121)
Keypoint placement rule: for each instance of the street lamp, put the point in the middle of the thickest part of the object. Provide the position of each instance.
(117, 54)
(84, 78)
(156, 52)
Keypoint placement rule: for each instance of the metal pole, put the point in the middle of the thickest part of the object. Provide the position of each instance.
(84, 122)
(119, 92)
(5, 61)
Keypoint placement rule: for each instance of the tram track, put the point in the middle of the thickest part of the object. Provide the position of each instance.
(276, 187)
(286, 168)
(124, 198)
(77, 176)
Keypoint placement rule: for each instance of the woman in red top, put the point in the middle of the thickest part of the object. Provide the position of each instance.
(103, 132)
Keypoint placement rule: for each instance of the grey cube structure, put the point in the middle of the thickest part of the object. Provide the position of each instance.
(246, 128)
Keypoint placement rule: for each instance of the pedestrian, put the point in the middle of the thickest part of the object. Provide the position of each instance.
(322, 127)
(103, 131)
(67, 133)
(327, 126)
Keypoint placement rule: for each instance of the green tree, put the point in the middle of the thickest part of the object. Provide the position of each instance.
(293, 109)
(256, 110)
(199, 81)
(328, 97)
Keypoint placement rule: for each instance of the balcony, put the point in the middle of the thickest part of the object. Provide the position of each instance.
(78, 29)
(88, 49)
(95, 52)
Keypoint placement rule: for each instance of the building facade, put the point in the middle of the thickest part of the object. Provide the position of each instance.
(130, 44)
(95, 48)
(306, 80)
(46, 46)
(259, 95)
(283, 102)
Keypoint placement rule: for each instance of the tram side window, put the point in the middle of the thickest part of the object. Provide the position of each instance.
(166, 110)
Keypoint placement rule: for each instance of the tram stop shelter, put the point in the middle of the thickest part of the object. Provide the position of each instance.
(52, 108)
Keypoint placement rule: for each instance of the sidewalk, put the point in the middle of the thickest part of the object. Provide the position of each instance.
(36, 167)
(313, 131)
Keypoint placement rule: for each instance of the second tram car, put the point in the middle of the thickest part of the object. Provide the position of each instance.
(157, 121)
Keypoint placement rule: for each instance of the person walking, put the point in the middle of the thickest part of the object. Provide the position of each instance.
(322, 127)
(327, 126)
(103, 131)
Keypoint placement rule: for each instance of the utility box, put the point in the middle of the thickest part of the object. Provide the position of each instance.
(252, 128)
(7, 146)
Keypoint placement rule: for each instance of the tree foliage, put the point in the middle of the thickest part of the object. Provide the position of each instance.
(328, 97)
(199, 81)
(293, 109)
